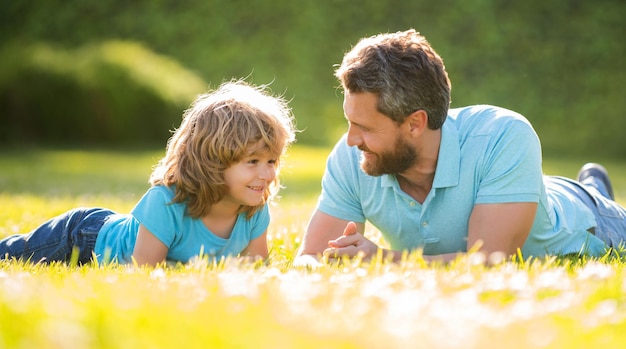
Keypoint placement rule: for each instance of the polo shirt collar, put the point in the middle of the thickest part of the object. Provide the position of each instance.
(448, 171)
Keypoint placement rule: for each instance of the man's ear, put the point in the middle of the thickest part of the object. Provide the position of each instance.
(417, 122)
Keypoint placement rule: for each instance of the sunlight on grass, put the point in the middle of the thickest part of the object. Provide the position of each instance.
(353, 305)
(234, 303)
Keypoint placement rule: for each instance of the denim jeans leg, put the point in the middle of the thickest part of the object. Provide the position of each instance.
(610, 215)
(55, 239)
(598, 184)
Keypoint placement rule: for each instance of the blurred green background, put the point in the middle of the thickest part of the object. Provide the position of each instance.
(118, 72)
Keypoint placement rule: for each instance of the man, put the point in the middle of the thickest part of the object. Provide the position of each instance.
(445, 180)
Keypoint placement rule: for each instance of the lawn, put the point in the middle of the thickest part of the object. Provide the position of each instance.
(558, 303)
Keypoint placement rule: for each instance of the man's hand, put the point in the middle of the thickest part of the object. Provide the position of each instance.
(307, 260)
(351, 243)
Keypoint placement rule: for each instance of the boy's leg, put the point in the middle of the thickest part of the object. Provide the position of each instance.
(55, 239)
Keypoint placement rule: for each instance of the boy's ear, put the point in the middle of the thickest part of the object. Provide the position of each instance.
(417, 122)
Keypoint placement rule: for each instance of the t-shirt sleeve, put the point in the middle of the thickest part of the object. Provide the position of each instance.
(261, 222)
(156, 212)
(511, 170)
(340, 185)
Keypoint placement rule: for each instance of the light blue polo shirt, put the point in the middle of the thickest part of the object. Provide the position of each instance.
(186, 237)
(487, 155)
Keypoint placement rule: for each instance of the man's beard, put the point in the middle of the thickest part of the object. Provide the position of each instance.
(401, 156)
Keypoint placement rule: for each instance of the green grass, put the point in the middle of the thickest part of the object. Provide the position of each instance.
(558, 303)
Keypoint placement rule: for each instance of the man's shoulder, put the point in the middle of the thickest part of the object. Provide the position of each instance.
(486, 119)
(484, 111)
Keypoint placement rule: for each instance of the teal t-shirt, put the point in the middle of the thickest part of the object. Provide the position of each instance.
(185, 237)
(487, 155)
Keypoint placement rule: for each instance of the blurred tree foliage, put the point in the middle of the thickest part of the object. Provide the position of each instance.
(557, 62)
(115, 92)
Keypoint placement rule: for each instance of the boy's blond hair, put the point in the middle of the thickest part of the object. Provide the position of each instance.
(220, 129)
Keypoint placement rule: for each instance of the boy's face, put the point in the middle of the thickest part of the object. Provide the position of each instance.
(249, 179)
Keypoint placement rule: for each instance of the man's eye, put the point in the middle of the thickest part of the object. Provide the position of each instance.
(360, 127)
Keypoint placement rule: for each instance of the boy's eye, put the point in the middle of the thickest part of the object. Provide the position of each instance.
(256, 161)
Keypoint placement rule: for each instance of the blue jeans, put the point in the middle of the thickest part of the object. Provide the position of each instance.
(610, 216)
(55, 239)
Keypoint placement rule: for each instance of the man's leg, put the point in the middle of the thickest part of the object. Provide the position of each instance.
(596, 176)
(610, 216)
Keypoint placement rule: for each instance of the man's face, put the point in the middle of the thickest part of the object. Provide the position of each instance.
(384, 149)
